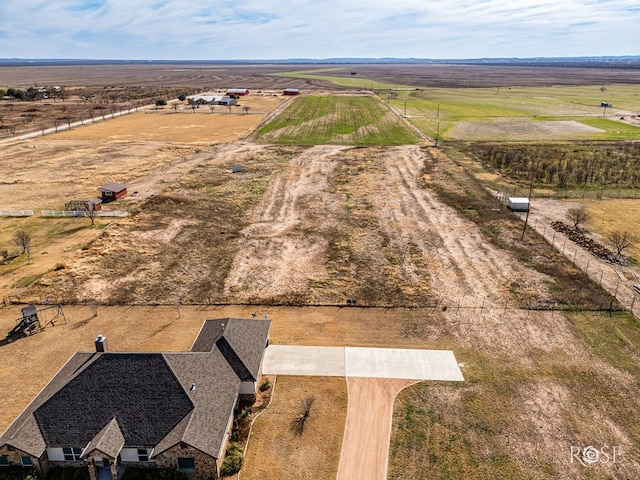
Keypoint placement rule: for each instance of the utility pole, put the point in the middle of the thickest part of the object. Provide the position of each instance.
(526, 219)
(438, 125)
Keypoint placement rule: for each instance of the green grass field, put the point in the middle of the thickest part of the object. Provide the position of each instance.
(337, 120)
(426, 108)
(353, 82)
(436, 111)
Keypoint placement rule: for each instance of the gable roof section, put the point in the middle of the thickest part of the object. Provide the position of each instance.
(139, 389)
(214, 395)
(109, 440)
(241, 341)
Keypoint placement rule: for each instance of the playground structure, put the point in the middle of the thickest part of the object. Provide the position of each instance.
(34, 321)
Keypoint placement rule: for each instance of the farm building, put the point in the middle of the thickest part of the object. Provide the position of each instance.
(291, 91)
(237, 91)
(518, 204)
(110, 411)
(112, 191)
(211, 100)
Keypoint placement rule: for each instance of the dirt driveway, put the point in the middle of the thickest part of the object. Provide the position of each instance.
(365, 447)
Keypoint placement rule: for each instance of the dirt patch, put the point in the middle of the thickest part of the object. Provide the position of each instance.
(279, 254)
(521, 130)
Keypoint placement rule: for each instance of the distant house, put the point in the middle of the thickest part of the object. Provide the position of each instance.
(211, 100)
(112, 191)
(237, 91)
(109, 411)
(291, 91)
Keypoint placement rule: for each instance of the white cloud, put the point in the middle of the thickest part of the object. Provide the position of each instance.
(193, 29)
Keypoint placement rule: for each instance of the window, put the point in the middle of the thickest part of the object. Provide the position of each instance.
(186, 465)
(26, 461)
(72, 454)
(4, 461)
(143, 455)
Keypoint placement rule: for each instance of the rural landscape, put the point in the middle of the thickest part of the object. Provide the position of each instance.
(367, 210)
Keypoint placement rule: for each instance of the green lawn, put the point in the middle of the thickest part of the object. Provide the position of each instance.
(337, 120)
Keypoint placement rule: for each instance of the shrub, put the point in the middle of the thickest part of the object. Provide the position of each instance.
(264, 385)
(68, 473)
(232, 460)
(16, 473)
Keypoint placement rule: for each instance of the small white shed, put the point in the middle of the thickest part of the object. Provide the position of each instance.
(518, 204)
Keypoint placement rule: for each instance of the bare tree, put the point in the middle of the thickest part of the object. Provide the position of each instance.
(622, 241)
(92, 211)
(246, 109)
(578, 215)
(23, 240)
(298, 423)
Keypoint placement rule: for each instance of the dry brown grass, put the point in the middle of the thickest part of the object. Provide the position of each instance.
(275, 452)
(608, 216)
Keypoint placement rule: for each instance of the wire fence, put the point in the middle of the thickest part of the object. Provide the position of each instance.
(16, 213)
(573, 193)
(83, 213)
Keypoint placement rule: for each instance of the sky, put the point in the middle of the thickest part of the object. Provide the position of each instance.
(318, 29)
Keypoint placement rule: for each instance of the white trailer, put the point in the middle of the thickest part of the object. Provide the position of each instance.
(518, 204)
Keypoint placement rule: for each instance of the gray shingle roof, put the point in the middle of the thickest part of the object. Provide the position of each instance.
(139, 389)
(24, 433)
(215, 393)
(241, 341)
(145, 400)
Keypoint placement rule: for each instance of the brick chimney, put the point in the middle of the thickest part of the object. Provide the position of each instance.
(101, 343)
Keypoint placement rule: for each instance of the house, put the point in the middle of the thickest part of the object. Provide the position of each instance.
(110, 410)
(291, 91)
(211, 100)
(237, 91)
(112, 191)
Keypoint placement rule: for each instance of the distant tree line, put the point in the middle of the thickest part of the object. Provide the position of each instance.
(32, 93)
(568, 165)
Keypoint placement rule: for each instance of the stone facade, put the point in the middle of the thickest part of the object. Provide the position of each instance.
(14, 456)
(207, 467)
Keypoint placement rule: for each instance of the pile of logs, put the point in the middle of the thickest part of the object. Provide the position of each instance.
(590, 245)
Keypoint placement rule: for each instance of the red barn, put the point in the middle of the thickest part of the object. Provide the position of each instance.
(291, 91)
(112, 191)
(237, 91)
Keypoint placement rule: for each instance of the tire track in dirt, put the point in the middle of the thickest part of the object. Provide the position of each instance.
(277, 256)
(464, 264)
